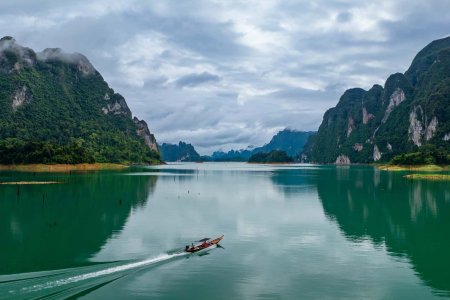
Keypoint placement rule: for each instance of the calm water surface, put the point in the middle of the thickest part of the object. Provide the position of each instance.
(291, 232)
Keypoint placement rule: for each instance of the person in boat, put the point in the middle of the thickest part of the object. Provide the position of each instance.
(187, 248)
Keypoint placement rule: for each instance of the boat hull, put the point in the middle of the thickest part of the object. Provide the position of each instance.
(204, 245)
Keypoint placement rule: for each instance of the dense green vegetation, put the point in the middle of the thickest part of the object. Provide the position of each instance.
(425, 155)
(411, 110)
(120, 150)
(274, 156)
(59, 111)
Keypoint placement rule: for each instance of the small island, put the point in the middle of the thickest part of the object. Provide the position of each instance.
(428, 158)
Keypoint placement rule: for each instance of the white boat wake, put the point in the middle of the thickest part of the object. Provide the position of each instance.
(69, 282)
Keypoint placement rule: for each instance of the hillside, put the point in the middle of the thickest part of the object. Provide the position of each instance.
(55, 107)
(409, 111)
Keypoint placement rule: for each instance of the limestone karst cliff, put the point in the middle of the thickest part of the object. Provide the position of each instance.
(410, 111)
(55, 107)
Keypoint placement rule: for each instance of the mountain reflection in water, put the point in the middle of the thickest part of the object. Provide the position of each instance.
(46, 227)
(410, 218)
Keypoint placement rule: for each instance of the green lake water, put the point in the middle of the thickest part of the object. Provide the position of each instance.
(291, 232)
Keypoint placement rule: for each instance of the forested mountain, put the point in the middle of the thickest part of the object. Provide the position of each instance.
(410, 111)
(55, 107)
(180, 152)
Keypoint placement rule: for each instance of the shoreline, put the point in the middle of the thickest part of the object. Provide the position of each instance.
(423, 168)
(62, 167)
(28, 182)
(432, 177)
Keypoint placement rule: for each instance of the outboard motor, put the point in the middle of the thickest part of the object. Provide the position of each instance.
(186, 249)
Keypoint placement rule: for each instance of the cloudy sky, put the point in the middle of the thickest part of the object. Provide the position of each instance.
(228, 74)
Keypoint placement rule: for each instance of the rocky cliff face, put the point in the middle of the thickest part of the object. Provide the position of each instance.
(143, 131)
(56, 107)
(411, 110)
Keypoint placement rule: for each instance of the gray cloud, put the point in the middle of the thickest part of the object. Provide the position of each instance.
(344, 17)
(192, 80)
(226, 74)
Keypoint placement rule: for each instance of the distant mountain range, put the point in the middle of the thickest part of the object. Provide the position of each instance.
(288, 140)
(410, 111)
(232, 155)
(55, 107)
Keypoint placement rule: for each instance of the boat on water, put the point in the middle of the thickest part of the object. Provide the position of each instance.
(202, 244)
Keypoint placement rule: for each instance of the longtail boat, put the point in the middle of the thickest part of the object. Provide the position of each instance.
(203, 244)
